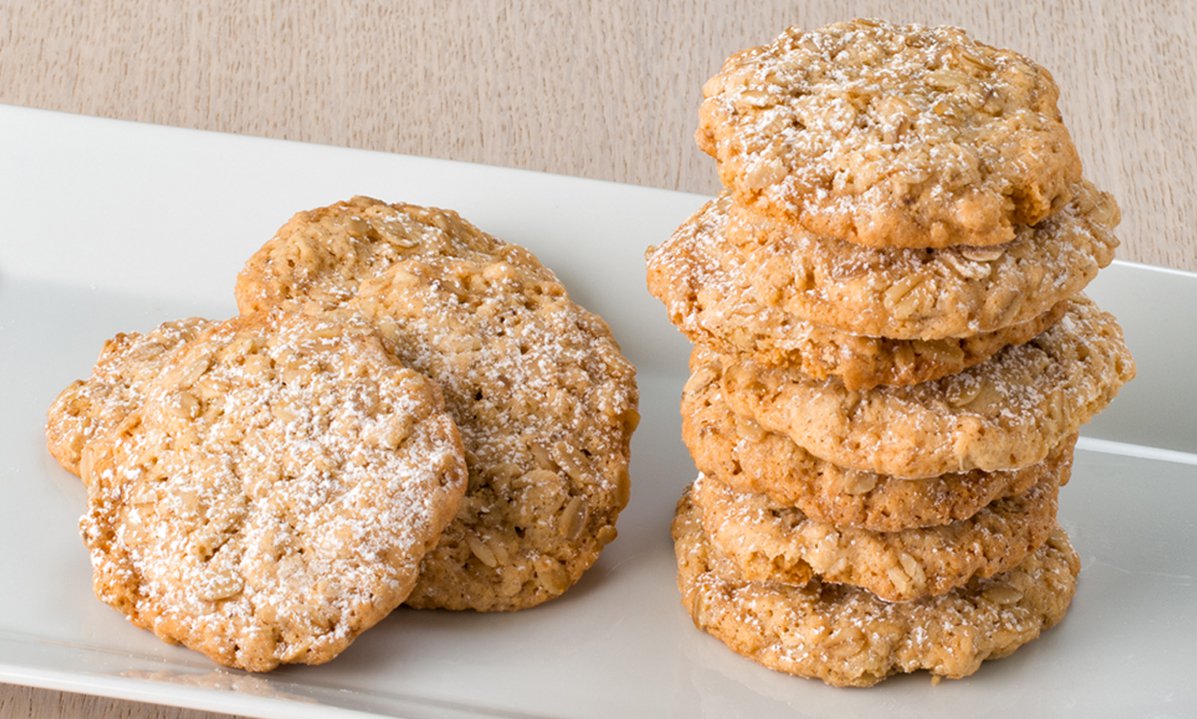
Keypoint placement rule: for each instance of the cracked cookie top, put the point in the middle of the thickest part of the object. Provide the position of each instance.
(890, 135)
(274, 493)
(545, 401)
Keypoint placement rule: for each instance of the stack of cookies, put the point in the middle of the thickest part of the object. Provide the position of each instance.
(407, 410)
(893, 355)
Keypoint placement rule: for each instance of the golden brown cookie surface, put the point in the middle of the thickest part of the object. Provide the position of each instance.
(273, 495)
(847, 637)
(95, 406)
(726, 272)
(890, 135)
(728, 297)
(320, 257)
(736, 451)
(545, 402)
(1005, 413)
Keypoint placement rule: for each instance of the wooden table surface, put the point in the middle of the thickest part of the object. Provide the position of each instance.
(600, 89)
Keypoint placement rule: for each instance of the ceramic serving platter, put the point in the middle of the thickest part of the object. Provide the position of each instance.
(110, 226)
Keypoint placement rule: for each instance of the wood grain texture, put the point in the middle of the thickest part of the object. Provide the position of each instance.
(598, 89)
(28, 703)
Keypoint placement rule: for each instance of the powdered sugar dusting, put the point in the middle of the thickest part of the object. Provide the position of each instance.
(1005, 413)
(730, 263)
(759, 291)
(930, 294)
(275, 495)
(91, 408)
(737, 452)
(544, 399)
(890, 135)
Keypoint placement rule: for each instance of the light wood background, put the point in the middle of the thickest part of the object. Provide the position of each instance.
(603, 89)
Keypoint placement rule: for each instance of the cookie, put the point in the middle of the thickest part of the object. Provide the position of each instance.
(847, 637)
(767, 542)
(931, 294)
(720, 297)
(545, 402)
(273, 495)
(890, 135)
(319, 258)
(737, 452)
(97, 405)
(1003, 414)
(729, 273)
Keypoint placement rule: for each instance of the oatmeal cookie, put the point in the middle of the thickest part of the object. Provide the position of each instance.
(719, 295)
(545, 402)
(847, 637)
(1003, 414)
(737, 452)
(728, 273)
(320, 257)
(94, 406)
(890, 135)
(767, 542)
(273, 495)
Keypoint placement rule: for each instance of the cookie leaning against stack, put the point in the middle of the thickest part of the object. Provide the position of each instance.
(545, 401)
(894, 356)
(407, 410)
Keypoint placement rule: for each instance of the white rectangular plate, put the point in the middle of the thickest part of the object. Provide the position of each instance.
(111, 226)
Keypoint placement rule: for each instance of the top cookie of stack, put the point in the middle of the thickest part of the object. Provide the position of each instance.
(890, 136)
